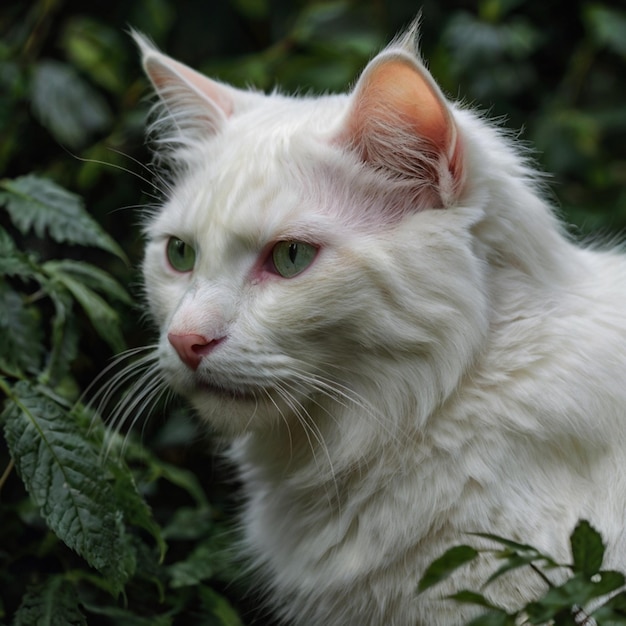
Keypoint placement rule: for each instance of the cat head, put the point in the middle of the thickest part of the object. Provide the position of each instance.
(314, 255)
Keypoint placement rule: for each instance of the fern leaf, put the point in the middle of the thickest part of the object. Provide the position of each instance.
(101, 314)
(21, 346)
(53, 603)
(42, 205)
(14, 262)
(90, 275)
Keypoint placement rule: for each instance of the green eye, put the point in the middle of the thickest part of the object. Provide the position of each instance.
(292, 257)
(182, 256)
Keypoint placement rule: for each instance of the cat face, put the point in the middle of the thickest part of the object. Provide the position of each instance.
(308, 253)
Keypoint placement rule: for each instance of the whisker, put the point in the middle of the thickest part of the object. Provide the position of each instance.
(312, 433)
(345, 396)
(102, 397)
(126, 170)
(144, 387)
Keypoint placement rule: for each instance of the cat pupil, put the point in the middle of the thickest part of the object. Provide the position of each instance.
(293, 252)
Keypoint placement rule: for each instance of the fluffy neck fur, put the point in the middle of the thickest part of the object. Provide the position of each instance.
(450, 363)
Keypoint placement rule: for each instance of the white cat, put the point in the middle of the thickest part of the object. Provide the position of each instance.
(370, 297)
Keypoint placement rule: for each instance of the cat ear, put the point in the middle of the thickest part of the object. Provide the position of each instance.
(399, 122)
(192, 100)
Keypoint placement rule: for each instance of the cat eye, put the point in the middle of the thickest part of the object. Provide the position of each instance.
(181, 255)
(292, 257)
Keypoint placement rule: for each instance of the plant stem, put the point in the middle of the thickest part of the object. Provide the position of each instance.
(7, 473)
(542, 575)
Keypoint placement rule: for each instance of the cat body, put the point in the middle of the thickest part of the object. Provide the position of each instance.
(369, 297)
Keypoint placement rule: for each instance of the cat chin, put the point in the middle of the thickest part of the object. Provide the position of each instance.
(232, 412)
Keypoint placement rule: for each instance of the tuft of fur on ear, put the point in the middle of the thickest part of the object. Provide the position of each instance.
(400, 123)
(190, 106)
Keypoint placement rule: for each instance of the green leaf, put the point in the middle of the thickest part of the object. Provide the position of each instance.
(606, 582)
(189, 524)
(577, 591)
(135, 509)
(520, 548)
(587, 549)
(64, 338)
(104, 318)
(66, 105)
(121, 616)
(65, 480)
(157, 468)
(97, 50)
(54, 603)
(618, 603)
(218, 607)
(211, 558)
(471, 597)
(514, 561)
(21, 341)
(14, 262)
(252, 9)
(608, 26)
(493, 618)
(613, 611)
(90, 275)
(42, 205)
(445, 565)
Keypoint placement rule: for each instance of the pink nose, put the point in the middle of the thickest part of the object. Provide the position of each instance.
(191, 348)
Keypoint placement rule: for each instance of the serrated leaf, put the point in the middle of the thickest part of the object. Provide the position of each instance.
(445, 565)
(134, 507)
(54, 603)
(43, 206)
(64, 478)
(14, 262)
(64, 338)
(21, 344)
(90, 275)
(67, 105)
(587, 549)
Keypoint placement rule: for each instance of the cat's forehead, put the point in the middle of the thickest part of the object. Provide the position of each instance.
(250, 183)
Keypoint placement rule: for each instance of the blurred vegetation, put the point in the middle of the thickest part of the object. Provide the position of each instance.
(72, 111)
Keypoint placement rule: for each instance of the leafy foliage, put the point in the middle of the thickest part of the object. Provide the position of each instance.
(81, 502)
(563, 604)
(41, 205)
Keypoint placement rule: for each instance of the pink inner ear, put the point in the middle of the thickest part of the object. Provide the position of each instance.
(405, 94)
(400, 119)
(165, 72)
(214, 91)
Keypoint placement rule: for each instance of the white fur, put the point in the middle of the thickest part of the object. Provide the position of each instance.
(433, 373)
